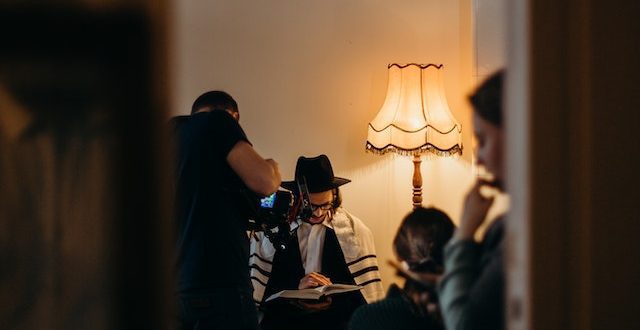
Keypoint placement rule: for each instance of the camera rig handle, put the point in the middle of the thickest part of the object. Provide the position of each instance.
(305, 211)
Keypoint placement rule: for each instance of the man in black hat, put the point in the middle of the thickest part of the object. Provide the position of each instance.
(332, 246)
(217, 167)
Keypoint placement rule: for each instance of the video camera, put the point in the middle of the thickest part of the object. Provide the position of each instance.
(274, 213)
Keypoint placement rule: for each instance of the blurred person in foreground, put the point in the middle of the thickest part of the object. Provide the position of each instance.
(217, 172)
(472, 289)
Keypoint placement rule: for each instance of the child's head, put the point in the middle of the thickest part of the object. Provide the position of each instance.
(421, 238)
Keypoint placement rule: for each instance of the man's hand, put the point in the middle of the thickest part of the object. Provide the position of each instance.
(313, 280)
(476, 207)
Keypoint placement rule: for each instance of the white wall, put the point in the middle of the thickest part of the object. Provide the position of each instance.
(310, 75)
(490, 36)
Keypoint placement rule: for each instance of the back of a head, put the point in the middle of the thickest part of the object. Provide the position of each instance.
(214, 100)
(422, 236)
(487, 99)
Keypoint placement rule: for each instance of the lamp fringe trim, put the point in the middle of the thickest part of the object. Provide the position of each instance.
(456, 150)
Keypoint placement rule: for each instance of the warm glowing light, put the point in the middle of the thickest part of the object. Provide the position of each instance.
(415, 119)
(415, 116)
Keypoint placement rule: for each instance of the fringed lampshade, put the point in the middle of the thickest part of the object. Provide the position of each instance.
(415, 119)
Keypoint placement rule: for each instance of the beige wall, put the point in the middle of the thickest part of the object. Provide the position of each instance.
(310, 75)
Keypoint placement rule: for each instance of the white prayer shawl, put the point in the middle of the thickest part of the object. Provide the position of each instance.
(356, 242)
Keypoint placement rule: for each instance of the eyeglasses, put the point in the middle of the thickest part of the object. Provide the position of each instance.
(324, 207)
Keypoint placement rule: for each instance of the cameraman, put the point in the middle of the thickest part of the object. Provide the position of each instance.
(332, 246)
(217, 166)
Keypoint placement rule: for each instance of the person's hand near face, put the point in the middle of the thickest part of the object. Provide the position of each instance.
(489, 155)
(476, 207)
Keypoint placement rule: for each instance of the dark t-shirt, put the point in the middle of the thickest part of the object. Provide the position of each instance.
(211, 204)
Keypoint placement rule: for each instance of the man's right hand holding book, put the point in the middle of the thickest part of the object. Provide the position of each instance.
(313, 280)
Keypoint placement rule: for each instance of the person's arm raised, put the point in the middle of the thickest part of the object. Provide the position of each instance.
(259, 174)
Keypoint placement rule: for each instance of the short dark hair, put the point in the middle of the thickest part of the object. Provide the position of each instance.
(422, 236)
(215, 100)
(337, 199)
(487, 99)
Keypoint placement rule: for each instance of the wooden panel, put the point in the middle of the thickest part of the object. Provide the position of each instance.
(581, 225)
(85, 235)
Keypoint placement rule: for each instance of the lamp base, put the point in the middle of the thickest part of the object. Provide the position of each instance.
(417, 182)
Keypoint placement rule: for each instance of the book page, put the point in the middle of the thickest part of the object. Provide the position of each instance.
(337, 288)
(314, 293)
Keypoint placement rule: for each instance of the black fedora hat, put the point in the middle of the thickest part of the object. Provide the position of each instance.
(318, 173)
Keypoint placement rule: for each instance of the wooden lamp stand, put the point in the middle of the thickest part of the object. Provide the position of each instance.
(417, 181)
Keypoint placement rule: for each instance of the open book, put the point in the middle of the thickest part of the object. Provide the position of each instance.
(314, 293)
